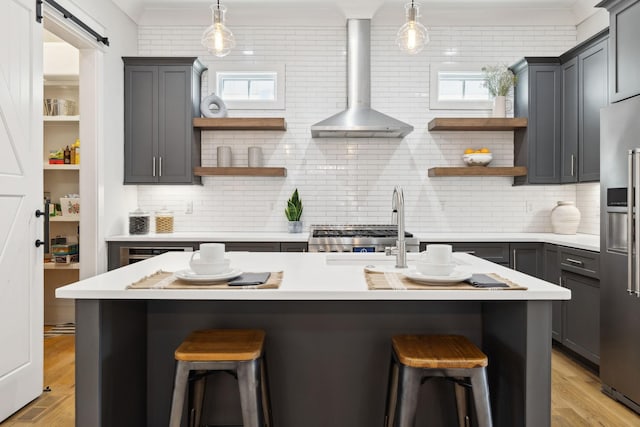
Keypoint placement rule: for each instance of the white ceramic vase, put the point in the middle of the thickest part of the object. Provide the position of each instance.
(565, 218)
(499, 106)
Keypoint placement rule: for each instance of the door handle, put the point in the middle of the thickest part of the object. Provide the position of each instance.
(630, 222)
(39, 243)
(39, 213)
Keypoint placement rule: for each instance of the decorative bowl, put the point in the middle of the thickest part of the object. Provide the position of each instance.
(477, 159)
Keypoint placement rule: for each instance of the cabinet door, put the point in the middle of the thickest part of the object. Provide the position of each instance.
(569, 172)
(593, 95)
(538, 97)
(527, 258)
(624, 62)
(253, 246)
(551, 273)
(175, 135)
(582, 316)
(294, 247)
(140, 124)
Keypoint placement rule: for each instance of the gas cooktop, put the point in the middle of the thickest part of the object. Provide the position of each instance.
(356, 238)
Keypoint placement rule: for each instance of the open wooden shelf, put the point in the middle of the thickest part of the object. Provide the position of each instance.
(239, 171)
(60, 118)
(478, 171)
(477, 123)
(240, 123)
(61, 218)
(60, 167)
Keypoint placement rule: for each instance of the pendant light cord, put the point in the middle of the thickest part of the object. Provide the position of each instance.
(219, 4)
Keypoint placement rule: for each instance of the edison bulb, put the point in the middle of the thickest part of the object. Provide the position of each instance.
(217, 38)
(412, 36)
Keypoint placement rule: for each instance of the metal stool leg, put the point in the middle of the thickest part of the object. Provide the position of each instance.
(250, 393)
(179, 389)
(480, 388)
(266, 404)
(392, 395)
(461, 405)
(408, 390)
(196, 397)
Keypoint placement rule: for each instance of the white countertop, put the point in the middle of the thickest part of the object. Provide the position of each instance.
(589, 242)
(307, 276)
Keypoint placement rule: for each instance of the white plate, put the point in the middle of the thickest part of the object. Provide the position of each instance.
(190, 276)
(456, 276)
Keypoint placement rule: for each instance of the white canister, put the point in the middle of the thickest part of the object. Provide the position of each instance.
(255, 157)
(565, 218)
(224, 156)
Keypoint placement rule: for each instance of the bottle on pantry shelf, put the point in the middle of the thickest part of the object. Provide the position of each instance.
(67, 155)
(75, 152)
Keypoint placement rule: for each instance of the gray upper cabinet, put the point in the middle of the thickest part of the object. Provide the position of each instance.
(162, 96)
(624, 41)
(538, 97)
(584, 93)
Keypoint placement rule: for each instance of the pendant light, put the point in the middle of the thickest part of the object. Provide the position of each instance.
(412, 36)
(217, 38)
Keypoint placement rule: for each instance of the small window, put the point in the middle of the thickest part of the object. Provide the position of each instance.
(247, 87)
(458, 87)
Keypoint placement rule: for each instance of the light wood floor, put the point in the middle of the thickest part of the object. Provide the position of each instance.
(576, 397)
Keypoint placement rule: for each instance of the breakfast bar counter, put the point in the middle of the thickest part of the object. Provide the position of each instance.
(327, 346)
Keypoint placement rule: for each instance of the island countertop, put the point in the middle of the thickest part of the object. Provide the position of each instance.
(307, 276)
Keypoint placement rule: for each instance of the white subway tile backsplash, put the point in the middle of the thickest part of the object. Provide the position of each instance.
(351, 180)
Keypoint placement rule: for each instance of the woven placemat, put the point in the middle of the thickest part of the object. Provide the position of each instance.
(166, 280)
(381, 280)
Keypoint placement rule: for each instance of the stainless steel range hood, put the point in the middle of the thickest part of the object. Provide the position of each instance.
(359, 120)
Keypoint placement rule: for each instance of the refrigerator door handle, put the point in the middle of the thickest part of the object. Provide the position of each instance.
(630, 222)
(636, 200)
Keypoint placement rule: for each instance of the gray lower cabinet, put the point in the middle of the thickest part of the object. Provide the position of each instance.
(584, 93)
(121, 253)
(161, 98)
(579, 272)
(538, 94)
(525, 257)
(624, 59)
(551, 273)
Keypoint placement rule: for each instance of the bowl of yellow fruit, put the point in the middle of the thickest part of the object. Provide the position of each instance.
(481, 157)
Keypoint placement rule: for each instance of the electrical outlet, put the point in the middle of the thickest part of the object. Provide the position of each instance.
(189, 210)
(528, 206)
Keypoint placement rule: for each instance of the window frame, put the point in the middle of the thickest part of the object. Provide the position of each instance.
(436, 104)
(240, 68)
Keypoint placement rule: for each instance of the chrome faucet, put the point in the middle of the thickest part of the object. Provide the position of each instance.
(397, 216)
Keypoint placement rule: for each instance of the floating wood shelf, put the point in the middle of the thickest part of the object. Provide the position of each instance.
(239, 171)
(60, 266)
(60, 118)
(240, 123)
(477, 123)
(60, 167)
(478, 171)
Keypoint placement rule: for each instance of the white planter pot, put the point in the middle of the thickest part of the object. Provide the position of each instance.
(565, 218)
(295, 226)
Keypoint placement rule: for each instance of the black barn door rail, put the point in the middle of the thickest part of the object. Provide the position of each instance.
(69, 15)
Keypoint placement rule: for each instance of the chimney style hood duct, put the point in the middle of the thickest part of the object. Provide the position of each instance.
(359, 120)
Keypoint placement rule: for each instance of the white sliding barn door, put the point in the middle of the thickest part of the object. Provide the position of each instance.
(21, 306)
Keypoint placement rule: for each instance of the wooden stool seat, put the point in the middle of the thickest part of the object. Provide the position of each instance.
(218, 345)
(438, 352)
(236, 351)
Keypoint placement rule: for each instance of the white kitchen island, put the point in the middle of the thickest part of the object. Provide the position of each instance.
(328, 341)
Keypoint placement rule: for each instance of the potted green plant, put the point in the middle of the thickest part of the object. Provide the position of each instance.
(499, 80)
(293, 212)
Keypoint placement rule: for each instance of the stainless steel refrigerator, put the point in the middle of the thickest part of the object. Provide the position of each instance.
(620, 251)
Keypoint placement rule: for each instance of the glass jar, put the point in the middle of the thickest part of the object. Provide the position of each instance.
(139, 222)
(164, 221)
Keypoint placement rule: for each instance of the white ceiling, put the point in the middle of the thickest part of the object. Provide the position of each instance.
(309, 12)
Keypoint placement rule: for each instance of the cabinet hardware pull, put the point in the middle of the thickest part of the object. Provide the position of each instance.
(573, 165)
(154, 166)
(160, 160)
(39, 213)
(515, 261)
(574, 261)
(39, 243)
